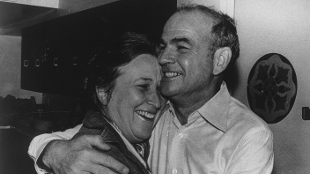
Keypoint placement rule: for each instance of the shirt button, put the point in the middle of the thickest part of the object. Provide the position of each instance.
(180, 135)
(174, 171)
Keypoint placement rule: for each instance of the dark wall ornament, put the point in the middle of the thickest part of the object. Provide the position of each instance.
(272, 87)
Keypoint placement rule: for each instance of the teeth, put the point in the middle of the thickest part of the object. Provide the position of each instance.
(145, 114)
(171, 74)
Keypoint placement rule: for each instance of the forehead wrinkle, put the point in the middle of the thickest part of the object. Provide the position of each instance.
(177, 36)
(198, 22)
(189, 35)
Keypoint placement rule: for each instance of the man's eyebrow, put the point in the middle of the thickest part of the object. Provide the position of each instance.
(176, 40)
(183, 39)
(161, 41)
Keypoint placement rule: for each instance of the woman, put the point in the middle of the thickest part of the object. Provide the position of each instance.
(125, 80)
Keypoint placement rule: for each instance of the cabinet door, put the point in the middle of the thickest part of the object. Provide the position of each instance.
(55, 53)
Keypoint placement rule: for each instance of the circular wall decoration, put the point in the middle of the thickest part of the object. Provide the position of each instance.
(272, 87)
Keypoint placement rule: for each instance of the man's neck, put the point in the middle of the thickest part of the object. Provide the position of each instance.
(183, 113)
(185, 106)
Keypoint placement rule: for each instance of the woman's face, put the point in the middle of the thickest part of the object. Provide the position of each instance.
(135, 101)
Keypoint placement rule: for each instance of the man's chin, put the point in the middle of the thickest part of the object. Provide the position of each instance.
(167, 91)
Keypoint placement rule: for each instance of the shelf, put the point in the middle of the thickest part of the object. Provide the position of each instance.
(24, 13)
(49, 3)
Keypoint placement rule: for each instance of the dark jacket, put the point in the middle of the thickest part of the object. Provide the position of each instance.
(96, 124)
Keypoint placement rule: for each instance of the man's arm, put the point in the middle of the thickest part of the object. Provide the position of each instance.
(254, 154)
(54, 152)
(38, 144)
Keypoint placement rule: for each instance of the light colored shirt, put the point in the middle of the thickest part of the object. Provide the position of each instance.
(222, 137)
(38, 144)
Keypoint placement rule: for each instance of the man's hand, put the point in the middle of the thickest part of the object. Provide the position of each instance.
(79, 156)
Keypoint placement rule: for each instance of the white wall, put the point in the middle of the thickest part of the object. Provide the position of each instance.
(281, 26)
(10, 69)
(211, 3)
(277, 26)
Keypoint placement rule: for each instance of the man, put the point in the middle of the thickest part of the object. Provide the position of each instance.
(204, 130)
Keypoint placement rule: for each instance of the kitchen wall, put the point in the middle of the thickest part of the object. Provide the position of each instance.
(210, 3)
(10, 68)
(280, 26)
(277, 26)
(264, 26)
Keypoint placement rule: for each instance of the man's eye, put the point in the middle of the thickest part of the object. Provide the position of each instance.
(180, 47)
(162, 47)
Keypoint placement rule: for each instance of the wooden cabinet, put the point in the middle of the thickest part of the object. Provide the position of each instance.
(55, 53)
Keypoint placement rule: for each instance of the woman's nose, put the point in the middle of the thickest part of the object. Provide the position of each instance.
(154, 100)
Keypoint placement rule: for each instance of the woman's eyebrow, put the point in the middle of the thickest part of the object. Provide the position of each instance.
(144, 79)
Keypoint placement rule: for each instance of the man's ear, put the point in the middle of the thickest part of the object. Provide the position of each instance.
(221, 60)
(102, 95)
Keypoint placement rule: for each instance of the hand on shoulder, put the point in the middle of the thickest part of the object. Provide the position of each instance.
(79, 155)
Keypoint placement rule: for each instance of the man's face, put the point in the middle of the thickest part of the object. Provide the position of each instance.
(186, 64)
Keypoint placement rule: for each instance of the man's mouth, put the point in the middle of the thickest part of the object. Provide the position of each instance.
(145, 114)
(171, 74)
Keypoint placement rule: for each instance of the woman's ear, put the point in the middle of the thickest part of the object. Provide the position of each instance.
(102, 95)
(221, 60)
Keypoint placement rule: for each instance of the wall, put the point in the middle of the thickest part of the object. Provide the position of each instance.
(226, 6)
(264, 26)
(280, 26)
(10, 66)
(211, 3)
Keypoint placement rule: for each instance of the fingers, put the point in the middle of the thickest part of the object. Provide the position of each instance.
(81, 155)
(104, 170)
(98, 142)
(108, 164)
(116, 165)
(92, 165)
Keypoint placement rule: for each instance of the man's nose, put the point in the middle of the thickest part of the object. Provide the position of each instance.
(166, 56)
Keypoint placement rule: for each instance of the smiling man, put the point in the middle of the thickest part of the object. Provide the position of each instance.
(204, 130)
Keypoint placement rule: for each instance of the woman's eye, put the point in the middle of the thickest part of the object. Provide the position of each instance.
(143, 87)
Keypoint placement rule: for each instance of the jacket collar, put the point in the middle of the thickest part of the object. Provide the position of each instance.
(96, 120)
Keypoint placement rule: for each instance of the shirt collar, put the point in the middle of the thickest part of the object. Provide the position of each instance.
(215, 110)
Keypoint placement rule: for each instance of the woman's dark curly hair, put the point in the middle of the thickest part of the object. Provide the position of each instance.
(103, 68)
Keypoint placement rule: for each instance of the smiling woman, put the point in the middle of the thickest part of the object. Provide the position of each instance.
(135, 100)
(124, 80)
